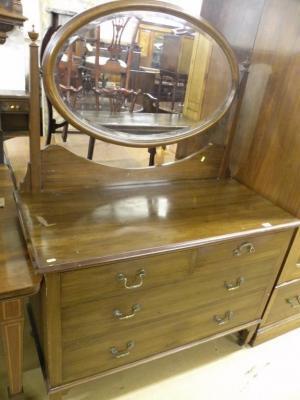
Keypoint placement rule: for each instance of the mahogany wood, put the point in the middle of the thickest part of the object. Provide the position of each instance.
(34, 116)
(12, 326)
(291, 269)
(266, 147)
(114, 217)
(17, 281)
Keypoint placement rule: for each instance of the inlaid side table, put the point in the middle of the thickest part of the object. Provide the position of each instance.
(17, 282)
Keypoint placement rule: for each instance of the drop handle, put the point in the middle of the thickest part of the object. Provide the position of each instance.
(294, 302)
(139, 279)
(244, 248)
(122, 353)
(120, 315)
(224, 319)
(230, 286)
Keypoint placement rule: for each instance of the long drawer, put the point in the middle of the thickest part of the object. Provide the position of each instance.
(102, 316)
(159, 270)
(286, 303)
(93, 354)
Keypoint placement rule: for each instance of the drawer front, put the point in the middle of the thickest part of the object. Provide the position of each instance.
(14, 106)
(111, 280)
(94, 354)
(257, 250)
(286, 303)
(291, 268)
(149, 272)
(102, 316)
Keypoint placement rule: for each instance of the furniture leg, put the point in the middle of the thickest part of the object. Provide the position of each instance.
(91, 148)
(12, 327)
(65, 132)
(245, 337)
(152, 152)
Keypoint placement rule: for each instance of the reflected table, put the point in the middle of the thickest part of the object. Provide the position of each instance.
(135, 122)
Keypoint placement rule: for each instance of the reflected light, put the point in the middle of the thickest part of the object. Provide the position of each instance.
(162, 207)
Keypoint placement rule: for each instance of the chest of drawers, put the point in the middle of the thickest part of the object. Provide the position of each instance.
(193, 273)
(283, 311)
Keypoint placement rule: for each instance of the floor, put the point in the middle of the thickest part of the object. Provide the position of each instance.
(216, 370)
(114, 155)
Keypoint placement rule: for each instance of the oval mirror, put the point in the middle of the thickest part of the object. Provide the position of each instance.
(139, 74)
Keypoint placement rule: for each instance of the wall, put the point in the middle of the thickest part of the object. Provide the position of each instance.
(14, 53)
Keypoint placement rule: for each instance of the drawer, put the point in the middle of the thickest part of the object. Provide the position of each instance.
(93, 354)
(203, 262)
(103, 316)
(242, 252)
(14, 106)
(291, 269)
(285, 303)
(103, 281)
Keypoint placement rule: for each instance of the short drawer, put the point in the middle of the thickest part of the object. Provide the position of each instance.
(291, 269)
(124, 277)
(206, 262)
(14, 106)
(94, 354)
(285, 303)
(242, 252)
(102, 316)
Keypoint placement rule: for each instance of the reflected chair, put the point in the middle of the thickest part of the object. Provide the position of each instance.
(119, 100)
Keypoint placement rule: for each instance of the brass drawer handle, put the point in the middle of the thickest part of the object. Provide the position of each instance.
(223, 320)
(244, 248)
(298, 265)
(119, 315)
(119, 354)
(234, 286)
(294, 301)
(139, 276)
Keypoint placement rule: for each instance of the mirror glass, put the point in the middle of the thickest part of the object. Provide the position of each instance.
(142, 75)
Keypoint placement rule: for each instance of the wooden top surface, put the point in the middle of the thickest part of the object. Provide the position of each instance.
(13, 94)
(16, 273)
(89, 227)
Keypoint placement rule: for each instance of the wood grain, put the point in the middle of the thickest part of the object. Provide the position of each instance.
(266, 147)
(16, 274)
(212, 263)
(141, 220)
(156, 337)
(12, 327)
(291, 268)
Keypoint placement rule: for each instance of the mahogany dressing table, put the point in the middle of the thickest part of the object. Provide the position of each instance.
(140, 263)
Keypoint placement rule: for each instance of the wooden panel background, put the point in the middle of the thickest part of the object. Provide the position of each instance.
(238, 21)
(266, 149)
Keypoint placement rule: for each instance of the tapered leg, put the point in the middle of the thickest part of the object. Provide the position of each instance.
(12, 328)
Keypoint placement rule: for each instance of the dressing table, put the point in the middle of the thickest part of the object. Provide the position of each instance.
(140, 263)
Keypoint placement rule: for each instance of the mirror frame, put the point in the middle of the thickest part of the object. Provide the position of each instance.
(120, 138)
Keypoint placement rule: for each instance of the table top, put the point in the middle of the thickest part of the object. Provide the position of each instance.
(13, 94)
(137, 120)
(16, 274)
(96, 226)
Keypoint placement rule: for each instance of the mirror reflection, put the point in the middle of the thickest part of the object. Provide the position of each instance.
(142, 72)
